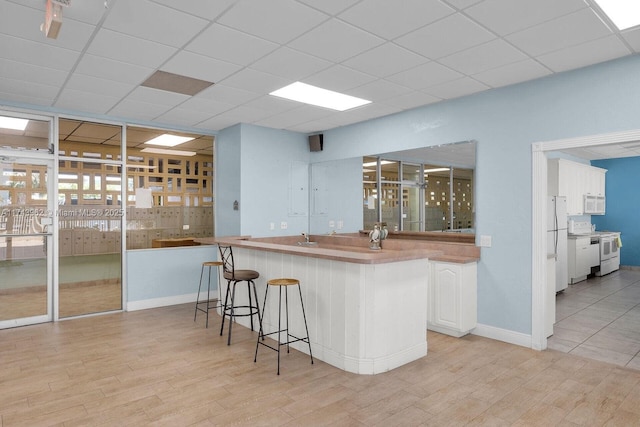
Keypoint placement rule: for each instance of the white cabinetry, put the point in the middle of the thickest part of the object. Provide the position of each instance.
(580, 258)
(583, 186)
(453, 294)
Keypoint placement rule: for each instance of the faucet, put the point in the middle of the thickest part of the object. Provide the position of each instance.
(306, 237)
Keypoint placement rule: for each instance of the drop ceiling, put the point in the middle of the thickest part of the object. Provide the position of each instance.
(399, 55)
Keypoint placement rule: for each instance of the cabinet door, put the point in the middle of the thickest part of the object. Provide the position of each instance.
(445, 295)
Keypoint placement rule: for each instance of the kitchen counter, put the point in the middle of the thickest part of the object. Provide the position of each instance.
(366, 309)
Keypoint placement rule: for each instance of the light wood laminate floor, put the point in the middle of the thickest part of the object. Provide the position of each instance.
(600, 318)
(159, 367)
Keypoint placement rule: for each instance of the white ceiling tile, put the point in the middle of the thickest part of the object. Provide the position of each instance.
(184, 116)
(512, 73)
(105, 68)
(585, 54)
(209, 107)
(73, 34)
(335, 41)
(557, 34)
(31, 73)
(203, 8)
(302, 114)
(150, 21)
(230, 45)
(199, 66)
(339, 78)
(157, 96)
(390, 19)
(110, 44)
(331, 7)
(445, 37)
(36, 99)
(455, 89)
(255, 81)
(227, 94)
(85, 101)
(378, 90)
(412, 100)
(36, 53)
(633, 38)
(84, 83)
(385, 60)
(290, 63)
(138, 110)
(508, 16)
(484, 57)
(425, 75)
(462, 4)
(274, 104)
(35, 89)
(276, 20)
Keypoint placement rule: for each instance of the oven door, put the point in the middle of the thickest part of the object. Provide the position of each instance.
(607, 244)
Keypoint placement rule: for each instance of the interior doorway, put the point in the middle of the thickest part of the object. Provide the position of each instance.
(539, 293)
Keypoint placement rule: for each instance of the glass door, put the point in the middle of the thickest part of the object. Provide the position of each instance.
(25, 240)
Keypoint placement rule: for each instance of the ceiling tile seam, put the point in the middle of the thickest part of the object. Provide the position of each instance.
(93, 35)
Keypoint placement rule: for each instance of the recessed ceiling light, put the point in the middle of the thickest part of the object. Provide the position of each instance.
(13, 123)
(168, 152)
(435, 170)
(168, 140)
(313, 95)
(624, 13)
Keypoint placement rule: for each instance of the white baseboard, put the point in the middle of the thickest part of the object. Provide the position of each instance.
(161, 302)
(505, 335)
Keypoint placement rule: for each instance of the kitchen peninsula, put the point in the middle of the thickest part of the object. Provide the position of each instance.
(366, 310)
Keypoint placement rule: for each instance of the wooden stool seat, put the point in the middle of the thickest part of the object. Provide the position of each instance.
(209, 265)
(282, 283)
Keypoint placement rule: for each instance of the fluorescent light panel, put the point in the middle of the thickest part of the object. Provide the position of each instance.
(168, 140)
(13, 123)
(624, 13)
(168, 152)
(313, 95)
(435, 170)
(383, 162)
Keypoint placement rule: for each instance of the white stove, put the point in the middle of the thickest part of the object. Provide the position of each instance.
(608, 241)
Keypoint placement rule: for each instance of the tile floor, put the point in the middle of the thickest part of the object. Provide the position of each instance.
(599, 318)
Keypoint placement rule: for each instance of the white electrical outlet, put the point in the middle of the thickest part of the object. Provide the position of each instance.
(340, 224)
(272, 226)
(283, 225)
(332, 224)
(185, 227)
(485, 241)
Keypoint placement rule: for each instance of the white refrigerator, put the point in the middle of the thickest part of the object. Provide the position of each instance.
(557, 238)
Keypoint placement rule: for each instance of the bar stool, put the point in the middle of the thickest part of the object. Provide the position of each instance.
(282, 283)
(207, 264)
(233, 276)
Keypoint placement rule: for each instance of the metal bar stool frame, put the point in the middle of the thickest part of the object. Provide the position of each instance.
(282, 283)
(234, 276)
(205, 310)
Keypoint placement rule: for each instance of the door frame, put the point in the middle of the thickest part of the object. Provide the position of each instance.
(538, 220)
(42, 159)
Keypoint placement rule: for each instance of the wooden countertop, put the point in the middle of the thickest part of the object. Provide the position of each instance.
(344, 248)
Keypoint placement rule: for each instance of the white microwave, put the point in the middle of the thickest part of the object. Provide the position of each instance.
(594, 205)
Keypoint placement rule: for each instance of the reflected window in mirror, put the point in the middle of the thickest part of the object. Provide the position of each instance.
(446, 192)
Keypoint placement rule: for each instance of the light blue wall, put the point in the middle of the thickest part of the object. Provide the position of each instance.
(228, 146)
(344, 197)
(623, 205)
(166, 273)
(505, 122)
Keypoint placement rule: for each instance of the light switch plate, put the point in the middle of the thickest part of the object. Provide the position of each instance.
(283, 225)
(485, 241)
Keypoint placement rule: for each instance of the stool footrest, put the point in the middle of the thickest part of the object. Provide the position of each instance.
(289, 341)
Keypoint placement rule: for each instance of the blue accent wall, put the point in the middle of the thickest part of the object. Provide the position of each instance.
(623, 205)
